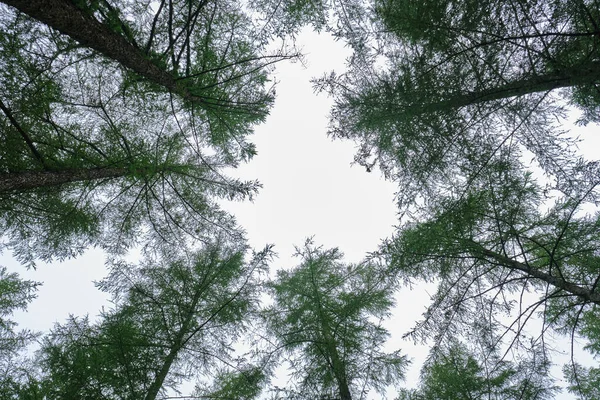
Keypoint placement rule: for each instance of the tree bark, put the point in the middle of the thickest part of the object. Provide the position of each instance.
(28, 180)
(579, 75)
(67, 18)
(340, 373)
(177, 345)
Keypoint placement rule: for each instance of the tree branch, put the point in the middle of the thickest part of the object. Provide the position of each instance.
(583, 293)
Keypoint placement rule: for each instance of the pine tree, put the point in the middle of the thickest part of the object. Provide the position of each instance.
(503, 257)
(463, 81)
(323, 319)
(117, 120)
(461, 103)
(15, 294)
(454, 373)
(174, 319)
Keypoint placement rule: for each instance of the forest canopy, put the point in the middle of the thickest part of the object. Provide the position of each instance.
(120, 124)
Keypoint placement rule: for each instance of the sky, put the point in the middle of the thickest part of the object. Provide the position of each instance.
(310, 189)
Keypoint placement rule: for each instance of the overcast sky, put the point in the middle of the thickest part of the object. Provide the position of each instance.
(309, 189)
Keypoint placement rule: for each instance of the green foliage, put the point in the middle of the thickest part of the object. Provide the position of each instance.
(245, 384)
(291, 15)
(455, 374)
(584, 382)
(327, 317)
(587, 99)
(346, 19)
(122, 159)
(461, 82)
(88, 362)
(173, 319)
(126, 147)
(500, 258)
(461, 103)
(15, 294)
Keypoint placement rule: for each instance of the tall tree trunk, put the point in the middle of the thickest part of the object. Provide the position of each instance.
(579, 75)
(67, 18)
(337, 365)
(159, 379)
(340, 374)
(28, 180)
(177, 344)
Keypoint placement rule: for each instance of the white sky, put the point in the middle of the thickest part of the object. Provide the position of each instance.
(309, 188)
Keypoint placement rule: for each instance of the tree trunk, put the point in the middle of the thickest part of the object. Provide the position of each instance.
(28, 180)
(339, 370)
(178, 344)
(67, 18)
(340, 374)
(338, 367)
(580, 75)
(159, 379)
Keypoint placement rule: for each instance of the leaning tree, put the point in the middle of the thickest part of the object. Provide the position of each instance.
(118, 119)
(445, 86)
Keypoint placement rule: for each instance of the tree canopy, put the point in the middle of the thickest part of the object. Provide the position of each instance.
(463, 104)
(15, 294)
(327, 316)
(454, 373)
(120, 121)
(461, 82)
(173, 319)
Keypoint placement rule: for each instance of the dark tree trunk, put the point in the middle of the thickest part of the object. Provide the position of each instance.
(335, 361)
(340, 374)
(159, 379)
(580, 75)
(28, 180)
(178, 344)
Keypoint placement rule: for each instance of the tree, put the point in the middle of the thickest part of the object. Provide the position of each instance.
(174, 319)
(454, 373)
(171, 47)
(324, 316)
(100, 149)
(345, 19)
(461, 82)
(15, 294)
(245, 384)
(500, 260)
(467, 92)
(583, 382)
